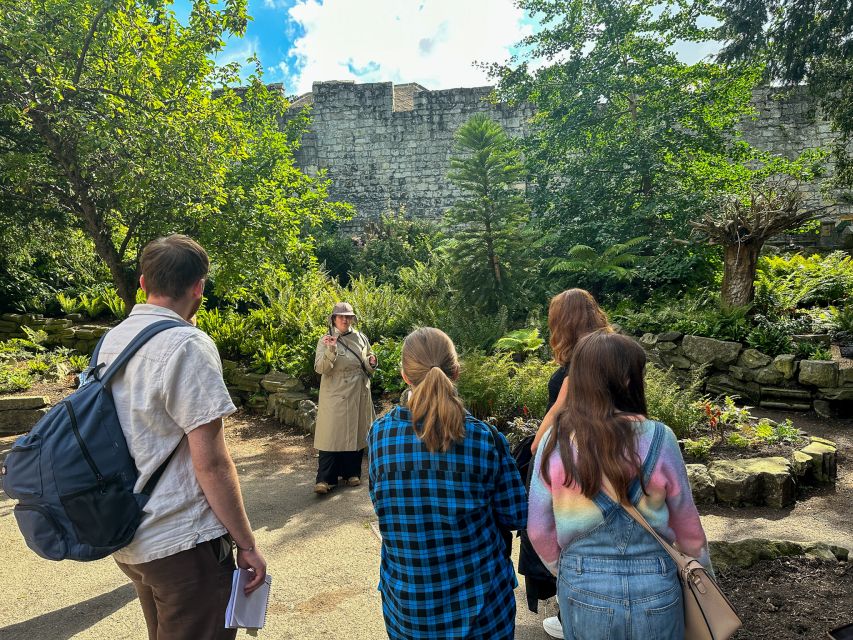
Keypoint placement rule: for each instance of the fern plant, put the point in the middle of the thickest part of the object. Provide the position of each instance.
(521, 342)
(616, 262)
(114, 303)
(68, 304)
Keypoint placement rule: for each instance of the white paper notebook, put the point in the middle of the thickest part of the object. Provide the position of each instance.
(247, 611)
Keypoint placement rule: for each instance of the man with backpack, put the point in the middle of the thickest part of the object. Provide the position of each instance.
(170, 399)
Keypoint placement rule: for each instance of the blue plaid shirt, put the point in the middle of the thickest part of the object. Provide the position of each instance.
(444, 571)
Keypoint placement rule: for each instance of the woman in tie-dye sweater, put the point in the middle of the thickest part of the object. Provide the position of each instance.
(612, 573)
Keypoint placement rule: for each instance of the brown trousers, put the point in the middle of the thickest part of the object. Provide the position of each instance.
(184, 596)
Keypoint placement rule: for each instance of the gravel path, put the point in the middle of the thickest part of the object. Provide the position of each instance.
(322, 552)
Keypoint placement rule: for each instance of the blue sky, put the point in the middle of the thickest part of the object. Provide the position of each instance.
(431, 42)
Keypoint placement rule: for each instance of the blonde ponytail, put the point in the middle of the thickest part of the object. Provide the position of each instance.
(430, 364)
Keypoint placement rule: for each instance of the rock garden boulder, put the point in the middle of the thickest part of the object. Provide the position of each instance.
(819, 373)
(701, 484)
(745, 553)
(19, 414)
(753, 481)
(710, 350)
(823, 456)
(786, 364)
(753, 359)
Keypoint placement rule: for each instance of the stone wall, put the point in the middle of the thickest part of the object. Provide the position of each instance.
(386, 149)
(387, 146)
(731, 368)
(72, 331)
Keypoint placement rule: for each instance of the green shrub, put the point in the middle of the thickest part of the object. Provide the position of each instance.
(387, 376)
(680, 409)
(698, 449)
(78, 363)
(381, 309)
(228, 330)
(500, 387)
(12, 380)
(522, 342)
(68, 304)
(114, 303)
(784, 283)
(737, 439)
(772, 339)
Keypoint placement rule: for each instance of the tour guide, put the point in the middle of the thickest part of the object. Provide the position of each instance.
(345, 361)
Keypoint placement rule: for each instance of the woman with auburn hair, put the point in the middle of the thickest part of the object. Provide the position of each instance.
(442, 483)
(572, 314)
(614, 579)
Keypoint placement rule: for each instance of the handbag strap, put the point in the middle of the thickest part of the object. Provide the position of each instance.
(358, 356)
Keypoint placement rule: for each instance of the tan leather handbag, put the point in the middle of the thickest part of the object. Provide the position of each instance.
(708, 614)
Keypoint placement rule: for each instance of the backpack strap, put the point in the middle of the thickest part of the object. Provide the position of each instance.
(133, 346)
(148, 489)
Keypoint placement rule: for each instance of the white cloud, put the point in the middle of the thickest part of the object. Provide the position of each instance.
(239, 51)
(433, 42)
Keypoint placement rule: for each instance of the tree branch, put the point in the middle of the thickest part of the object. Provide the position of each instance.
(88, 41)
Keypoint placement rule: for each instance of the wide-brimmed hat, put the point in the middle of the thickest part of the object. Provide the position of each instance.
(342, 309)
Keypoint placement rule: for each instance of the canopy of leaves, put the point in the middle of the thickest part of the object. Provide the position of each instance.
(619, 121)
(807, 41)
(110, 116)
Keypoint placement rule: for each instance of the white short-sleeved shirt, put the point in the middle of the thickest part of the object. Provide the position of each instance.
(171, 386)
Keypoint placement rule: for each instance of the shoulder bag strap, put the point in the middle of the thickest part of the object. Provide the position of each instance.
(357, 355)
(148, 489)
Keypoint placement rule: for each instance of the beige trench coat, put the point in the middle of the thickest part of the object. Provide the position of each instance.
(345, 408)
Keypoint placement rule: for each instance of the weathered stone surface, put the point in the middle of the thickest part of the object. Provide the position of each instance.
(821, 551)
(753, 359)
(768, 375)
(666, 346)
(785, 364)
(709, 350)
(753, 481)
(276, 382)
(669, 336)
(22, 402)
(287, 398)
(15, 421)
(801, 464)
(837, 394)
(787, 393)
(784, 406)
(745, 553)
(648, 341)
(741, 373)
(700, 483)
(249, 382)
(256, 403)
(845, 376)
(819, 373)
(675, 360)
(824, 408)
(721, 383)
(812, 338)
(824, 464)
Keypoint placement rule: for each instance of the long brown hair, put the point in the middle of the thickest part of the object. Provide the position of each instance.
(430, 364)
(605, 382)
(571, 315)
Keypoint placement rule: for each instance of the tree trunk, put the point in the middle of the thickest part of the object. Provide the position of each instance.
(739, 263)
(81, 204)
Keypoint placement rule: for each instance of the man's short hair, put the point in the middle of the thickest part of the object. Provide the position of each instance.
(173, 264)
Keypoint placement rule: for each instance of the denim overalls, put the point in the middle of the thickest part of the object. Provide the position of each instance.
(616, 582)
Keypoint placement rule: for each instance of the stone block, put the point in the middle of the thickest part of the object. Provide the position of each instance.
(819, 373)
(753, 481)
(768, 375)
(753, 359)
(710, 350)
(723, 384)
(784, 406)
(648, 341)
(801, 464)
(785, 364)
(666, 346)
(669, 336)
(701, 483)
(745, 553)
(675, 360)
(838, 394)
(823, 460)
(741, 373)
(15, 421)
(845, 376)
(22, 402)
(276, 382)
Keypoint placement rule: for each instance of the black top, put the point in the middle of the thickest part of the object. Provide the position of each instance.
(554, 385)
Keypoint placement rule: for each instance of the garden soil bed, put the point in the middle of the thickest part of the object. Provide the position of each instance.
(791, 597)
(725, 451)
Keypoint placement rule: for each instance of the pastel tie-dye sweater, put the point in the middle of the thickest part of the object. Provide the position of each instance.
(558, 514)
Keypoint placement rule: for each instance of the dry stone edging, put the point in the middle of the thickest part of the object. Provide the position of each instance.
(731, 368)
(276, 394)
(72, 331)
(770, 481)
(745, 553)
(18, 414)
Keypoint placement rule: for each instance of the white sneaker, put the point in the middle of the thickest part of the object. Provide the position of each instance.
(553, 627)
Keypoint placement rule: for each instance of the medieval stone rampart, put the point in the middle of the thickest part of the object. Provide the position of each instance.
(387, 147)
